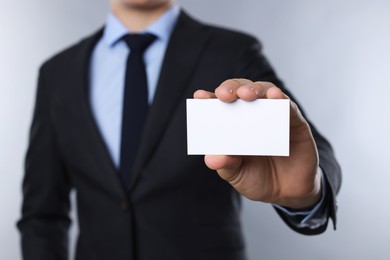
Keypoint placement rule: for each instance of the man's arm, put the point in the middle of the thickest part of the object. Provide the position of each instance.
(293, 182)
(316, 152)
(44, 222)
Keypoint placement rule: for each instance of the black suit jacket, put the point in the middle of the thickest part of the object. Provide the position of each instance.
(174, 206)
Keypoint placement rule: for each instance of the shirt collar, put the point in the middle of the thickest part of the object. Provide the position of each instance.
(162, 28)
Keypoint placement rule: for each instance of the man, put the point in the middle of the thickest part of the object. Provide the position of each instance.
(172, 206)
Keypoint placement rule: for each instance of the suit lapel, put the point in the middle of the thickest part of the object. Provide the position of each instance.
(182, 55)
(101, 162)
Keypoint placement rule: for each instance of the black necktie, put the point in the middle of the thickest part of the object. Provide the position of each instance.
(135, 101)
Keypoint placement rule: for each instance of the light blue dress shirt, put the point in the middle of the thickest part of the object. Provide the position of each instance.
(107, 77)
(107, 74)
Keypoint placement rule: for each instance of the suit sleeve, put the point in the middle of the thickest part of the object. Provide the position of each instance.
(44, 223)
(253, 65)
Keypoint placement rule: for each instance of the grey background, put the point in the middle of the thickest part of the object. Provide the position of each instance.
(335, 57)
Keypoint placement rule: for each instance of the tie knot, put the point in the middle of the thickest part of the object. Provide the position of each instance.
(138, 42)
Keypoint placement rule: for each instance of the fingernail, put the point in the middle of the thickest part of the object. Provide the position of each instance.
(254, 90)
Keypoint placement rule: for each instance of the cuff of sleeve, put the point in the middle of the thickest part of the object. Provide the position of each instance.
(311, 218)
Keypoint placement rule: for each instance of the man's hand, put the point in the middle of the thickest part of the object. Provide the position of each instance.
(292, 181)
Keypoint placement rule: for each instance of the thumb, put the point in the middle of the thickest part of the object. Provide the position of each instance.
(227, 166)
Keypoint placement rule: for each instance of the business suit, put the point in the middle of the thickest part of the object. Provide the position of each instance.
(174, 206)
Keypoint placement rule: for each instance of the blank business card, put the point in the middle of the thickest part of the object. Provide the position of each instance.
(259, 127)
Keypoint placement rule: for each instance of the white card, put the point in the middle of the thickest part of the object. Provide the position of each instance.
(259, 127)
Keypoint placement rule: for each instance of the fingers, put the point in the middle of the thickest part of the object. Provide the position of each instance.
(203, 94)
(227, 91)
(274, 92)
(233, 89)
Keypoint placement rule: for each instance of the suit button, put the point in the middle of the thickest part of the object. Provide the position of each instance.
(124, 206)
